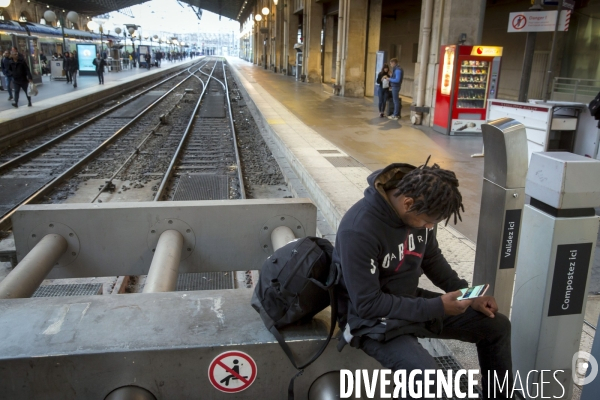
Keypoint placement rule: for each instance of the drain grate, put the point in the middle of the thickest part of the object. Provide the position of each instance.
(329, 152)
(449, 362)
(15, 190)
(205, 281)
(202, 187)
(74, 289)
(343, 162)
(136, 106)
(213, 107)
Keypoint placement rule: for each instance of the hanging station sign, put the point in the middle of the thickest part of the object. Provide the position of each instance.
(538, 21)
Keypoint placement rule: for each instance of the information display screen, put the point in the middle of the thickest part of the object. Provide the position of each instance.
(86, 54)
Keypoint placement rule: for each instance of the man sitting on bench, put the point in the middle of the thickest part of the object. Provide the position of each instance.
(384, 243)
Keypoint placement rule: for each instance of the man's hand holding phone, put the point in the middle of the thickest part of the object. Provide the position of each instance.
(453, 306)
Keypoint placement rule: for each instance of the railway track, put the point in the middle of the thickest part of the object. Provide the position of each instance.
(34, 172)
(206, 165)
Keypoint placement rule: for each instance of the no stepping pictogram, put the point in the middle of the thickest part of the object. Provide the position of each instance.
(232, 371)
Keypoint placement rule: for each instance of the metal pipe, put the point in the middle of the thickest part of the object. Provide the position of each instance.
(162, 276)
(528, 58)
(281, 236)
(340, 34)
(27, 276)
(548, 76)
(425, 44)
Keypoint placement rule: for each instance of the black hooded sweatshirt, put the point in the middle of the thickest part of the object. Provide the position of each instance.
(382, 259)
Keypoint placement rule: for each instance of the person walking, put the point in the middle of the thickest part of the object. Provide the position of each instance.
(396, 84)
(7, 74)
(67, 66)
(100, 64)
(74, 68)
(383, 80)
(21, 75)
(147, 58)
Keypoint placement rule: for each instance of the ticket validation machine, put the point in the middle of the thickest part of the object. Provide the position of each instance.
(556, 250)
(502, 203)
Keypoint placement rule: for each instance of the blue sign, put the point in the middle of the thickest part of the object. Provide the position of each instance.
(86, 54)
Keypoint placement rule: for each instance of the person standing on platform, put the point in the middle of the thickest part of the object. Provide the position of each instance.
(21, 75)
(67, 66)
(383, 80)
(100, 64)
(396, 84)
(7, 74)
(147, 58)
(74, 68)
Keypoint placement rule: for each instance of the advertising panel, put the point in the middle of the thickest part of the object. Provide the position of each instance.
(86, 54)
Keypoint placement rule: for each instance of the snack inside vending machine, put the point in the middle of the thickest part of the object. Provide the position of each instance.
(468, 76)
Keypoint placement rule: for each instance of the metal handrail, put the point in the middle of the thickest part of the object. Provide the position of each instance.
(570, 89)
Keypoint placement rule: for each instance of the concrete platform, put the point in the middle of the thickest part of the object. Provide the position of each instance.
(333, 143)
(56, 99)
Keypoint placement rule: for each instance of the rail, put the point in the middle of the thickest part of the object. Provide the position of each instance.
(5, 222)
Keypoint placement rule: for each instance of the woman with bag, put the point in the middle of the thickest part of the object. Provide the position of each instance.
(21, 75)
(383, 80)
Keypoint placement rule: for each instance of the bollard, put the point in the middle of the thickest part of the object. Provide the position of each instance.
(281, 236)
(556, 250)
(162, 276)
(27, 276)
(502, 200)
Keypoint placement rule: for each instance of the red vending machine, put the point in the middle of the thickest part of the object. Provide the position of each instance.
(467, 78)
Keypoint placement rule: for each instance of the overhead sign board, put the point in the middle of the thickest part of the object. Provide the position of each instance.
(487, 51)
(567, 4)
(538, 21)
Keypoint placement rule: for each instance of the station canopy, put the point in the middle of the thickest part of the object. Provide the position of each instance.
(227, 8)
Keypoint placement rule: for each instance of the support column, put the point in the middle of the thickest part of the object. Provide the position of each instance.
(353, 50)
(450, 19)
(373, 34)
(313, 12)
(279, 42)
(328, 50)
(292, 38)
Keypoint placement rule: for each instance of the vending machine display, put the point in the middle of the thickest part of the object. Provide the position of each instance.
(467, 78)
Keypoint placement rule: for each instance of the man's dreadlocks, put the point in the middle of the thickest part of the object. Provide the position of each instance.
(434, 190)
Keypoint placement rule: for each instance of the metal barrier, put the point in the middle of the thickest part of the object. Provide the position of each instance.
(502, 200)
(556, 250)
(163, 344)
(572, 89)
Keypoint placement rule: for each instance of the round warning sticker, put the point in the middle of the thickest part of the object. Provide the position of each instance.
(232, 371)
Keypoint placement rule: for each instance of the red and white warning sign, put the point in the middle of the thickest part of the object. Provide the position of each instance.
(232, 371)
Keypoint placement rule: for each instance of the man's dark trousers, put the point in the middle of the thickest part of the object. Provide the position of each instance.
(491, 335)
(397, 101)
(100, 77)
(18, 86)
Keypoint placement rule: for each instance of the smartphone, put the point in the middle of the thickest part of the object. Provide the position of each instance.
(473, 292)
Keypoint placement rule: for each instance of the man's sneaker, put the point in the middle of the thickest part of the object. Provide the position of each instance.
(393, 117)
(14, 105)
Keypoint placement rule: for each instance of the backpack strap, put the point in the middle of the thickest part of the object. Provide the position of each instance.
(288, 352)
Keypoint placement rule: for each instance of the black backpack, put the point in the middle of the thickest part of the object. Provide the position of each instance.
(295, 283)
